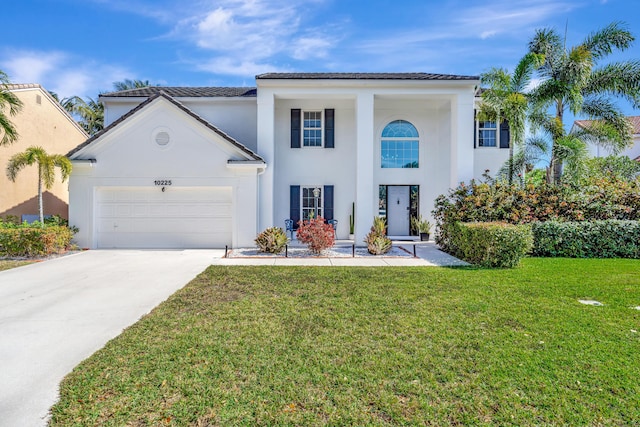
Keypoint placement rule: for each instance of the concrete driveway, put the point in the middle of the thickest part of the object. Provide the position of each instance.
(56, 313)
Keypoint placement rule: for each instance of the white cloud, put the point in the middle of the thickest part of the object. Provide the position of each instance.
(60, 72)
(245, 34)
(29, 66)
(508, 16)
(311, 47)
(233, 66)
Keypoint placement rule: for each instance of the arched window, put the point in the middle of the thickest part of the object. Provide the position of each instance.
(399, 147)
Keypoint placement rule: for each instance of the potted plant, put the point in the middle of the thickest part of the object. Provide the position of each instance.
(422, 226)
(352, 222)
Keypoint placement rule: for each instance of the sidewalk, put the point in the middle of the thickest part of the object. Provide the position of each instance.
(427, 255)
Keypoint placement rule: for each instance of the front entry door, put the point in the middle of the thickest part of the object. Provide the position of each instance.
(398, 210)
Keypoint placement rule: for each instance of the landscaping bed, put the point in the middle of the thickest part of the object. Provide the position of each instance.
(367, 346)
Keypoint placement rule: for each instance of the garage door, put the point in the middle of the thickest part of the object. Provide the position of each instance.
(179, 217)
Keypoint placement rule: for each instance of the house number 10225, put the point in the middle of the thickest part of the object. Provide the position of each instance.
(162, 182)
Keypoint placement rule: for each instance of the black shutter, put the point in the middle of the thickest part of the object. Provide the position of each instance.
(504, 134)
(295, 128)
(294, 205)
(328, 202)
(475, 127)
(329, 125)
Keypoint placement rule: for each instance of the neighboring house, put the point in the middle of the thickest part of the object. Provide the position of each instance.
(596, 150)
(41, 122)
(210, 167)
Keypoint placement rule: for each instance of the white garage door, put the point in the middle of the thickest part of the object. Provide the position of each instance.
(179, 217)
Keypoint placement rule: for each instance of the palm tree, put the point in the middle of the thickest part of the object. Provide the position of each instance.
(46, 169)
(127, 84)
(572, 80)
(505, 99)
(9, 101)
(90, 113)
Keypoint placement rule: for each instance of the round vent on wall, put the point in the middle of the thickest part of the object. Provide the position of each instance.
(162, 138)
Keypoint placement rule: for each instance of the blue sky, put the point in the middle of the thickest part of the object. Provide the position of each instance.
(80, 47)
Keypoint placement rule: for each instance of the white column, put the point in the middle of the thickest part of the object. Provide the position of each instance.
(266, 150)
(462, 153)
(366, 194)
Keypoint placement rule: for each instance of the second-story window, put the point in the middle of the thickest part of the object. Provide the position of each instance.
(487, 131)
(312, 129)
(400, 146)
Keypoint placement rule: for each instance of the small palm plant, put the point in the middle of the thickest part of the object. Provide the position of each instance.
(47, 164)
(272, 240)
(377, 241)
(422, 226)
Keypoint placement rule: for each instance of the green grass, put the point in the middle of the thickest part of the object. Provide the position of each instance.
(8, 264)
(375, 346)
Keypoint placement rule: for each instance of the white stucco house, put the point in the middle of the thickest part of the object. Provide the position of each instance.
(200, 167)
(596, 150)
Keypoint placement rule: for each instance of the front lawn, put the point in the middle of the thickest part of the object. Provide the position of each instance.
(8, 264)
(375, 346)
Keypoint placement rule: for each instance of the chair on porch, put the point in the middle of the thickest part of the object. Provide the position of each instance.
(288, 224)
(334, 223)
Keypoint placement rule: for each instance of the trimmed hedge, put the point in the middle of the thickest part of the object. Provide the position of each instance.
(24, 241)
(491, 244)
(587, 239)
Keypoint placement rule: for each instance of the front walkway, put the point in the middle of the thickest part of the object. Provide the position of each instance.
(427, 255)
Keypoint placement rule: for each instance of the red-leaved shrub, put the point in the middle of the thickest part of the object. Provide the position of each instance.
(317, 235)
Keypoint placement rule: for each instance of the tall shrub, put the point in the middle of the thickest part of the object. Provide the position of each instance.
(492, 244)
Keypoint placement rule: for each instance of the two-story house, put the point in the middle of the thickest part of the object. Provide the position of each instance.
(209, 167)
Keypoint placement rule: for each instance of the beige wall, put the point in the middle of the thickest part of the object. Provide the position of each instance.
(42, 122)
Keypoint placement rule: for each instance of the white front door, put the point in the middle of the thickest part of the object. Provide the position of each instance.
(398, 210)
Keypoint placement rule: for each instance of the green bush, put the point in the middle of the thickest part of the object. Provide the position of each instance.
(491, 244)
(601, 199)
(592, 239)
(272, 240)
(29, 241)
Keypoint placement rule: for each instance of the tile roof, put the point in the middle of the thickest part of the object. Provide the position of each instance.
(16, 86)
(364, 76)
(181, 106)
(185, 92)
(634, 120)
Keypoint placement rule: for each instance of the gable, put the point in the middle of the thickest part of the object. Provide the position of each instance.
(159, 138)
(151, 106)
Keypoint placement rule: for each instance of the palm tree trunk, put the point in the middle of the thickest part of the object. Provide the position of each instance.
(40, 196)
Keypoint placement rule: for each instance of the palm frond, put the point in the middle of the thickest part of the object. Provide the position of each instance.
(127, 84)
(603, 42)
(619, 79)
(547, 42)
(10, 100)
(19, 161)
(8, 131)
(524, 71)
